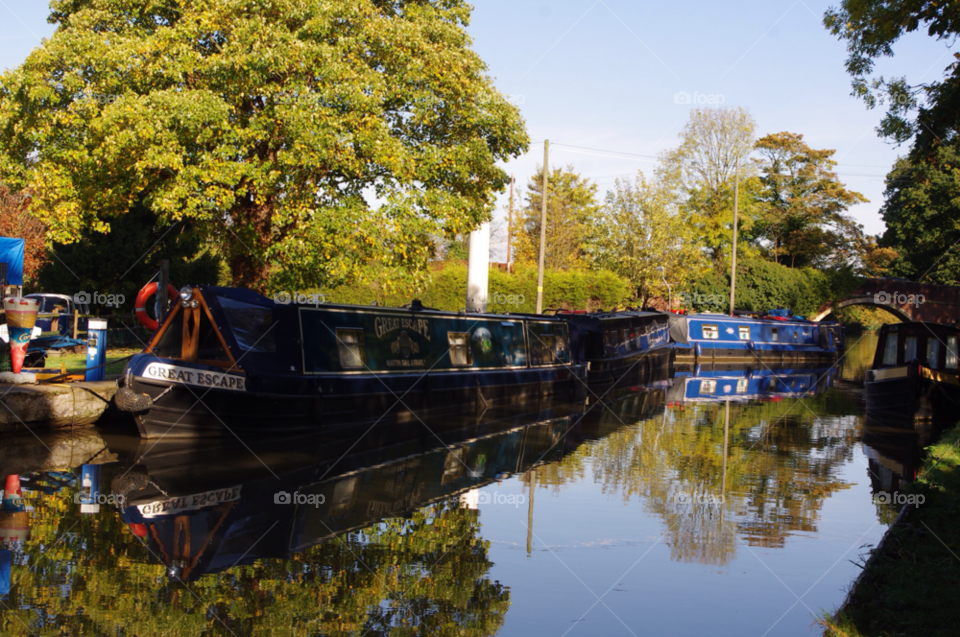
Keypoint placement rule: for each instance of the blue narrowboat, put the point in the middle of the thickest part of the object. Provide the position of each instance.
(774, 339)
(915, 376)
(621, 349)
(228, 359)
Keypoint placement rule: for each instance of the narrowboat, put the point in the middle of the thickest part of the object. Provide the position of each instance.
(749, 383)
(915, 376)
(231, 360)
(621, 349)
(776, 338)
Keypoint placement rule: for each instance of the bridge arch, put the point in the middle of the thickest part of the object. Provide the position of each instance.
(906, 300)
(863, 299)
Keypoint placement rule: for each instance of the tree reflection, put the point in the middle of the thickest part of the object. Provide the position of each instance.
(427, 574)
(782, 462)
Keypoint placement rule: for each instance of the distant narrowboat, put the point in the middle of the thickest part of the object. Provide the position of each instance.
(776, 339)
(228, 359)
(621, 349)
(915, 374)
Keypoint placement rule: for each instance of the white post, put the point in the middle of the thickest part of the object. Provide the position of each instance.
(478, 269)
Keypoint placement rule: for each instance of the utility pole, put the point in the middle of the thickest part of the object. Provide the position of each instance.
(510, 222)
(543, 222)
(733, 267)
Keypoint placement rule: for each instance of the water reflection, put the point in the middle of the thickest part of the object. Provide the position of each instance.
(382, 534)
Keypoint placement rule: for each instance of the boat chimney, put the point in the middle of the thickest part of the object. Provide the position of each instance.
(478, 269)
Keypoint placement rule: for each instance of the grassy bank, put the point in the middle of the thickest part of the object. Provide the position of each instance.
(910, 585)
(76, 363)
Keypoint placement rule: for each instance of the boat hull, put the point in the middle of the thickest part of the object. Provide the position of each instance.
(909, 394)
(325, 403)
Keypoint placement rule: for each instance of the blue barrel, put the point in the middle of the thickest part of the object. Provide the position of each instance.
(96, 349)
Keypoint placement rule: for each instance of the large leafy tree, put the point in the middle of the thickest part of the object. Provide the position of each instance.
(572, 211)
(641, 228)
(922, 208)
(308, 137)
(803, 205)
(703, 171)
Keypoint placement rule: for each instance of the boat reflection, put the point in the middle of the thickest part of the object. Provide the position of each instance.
(746, 383)
(206, 508)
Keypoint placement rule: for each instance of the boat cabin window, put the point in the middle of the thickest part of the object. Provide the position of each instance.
(889, 350)
(350, 346)
(742, 384)
(460, 353)
(711, 332)
(933, 352)
(627, 341)
(772, 384)
(744, 331)
(775, 334)
(909, 348)
(951, 352)
(708, 386)
(252, 325)
(543, 349)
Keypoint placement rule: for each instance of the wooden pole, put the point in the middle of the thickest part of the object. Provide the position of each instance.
(543, 222)
(76, 321)
(533, 482)
(733, 266)
(164, 282)
(510, 222)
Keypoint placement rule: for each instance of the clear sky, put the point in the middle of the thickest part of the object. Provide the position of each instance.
(604, 74)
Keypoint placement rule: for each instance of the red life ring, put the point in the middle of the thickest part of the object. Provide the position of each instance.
(141, 307)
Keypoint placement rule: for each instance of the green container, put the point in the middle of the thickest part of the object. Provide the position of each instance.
(5, 365)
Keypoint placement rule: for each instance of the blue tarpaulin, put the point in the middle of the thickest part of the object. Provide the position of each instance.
(11, 253)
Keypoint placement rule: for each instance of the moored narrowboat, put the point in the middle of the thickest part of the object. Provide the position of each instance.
(774, 339)
(915, 374)
(621, 349)
(231, 360)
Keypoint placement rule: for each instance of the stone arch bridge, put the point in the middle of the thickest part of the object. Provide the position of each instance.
(907, 300)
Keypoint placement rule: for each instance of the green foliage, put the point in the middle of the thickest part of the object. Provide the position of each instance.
(572, 210)
(763, 285)
(870, 29)
(922, 214)
(642, 228)
(309, 138)
(124, 260)
(803, 205)
(445, 289)
(702, 172)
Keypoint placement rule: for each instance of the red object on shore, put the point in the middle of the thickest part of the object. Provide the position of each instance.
(141, 306)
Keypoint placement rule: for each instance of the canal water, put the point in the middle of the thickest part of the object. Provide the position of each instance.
(634, 515)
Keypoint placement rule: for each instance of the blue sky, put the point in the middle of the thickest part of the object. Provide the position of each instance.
(603, 74)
